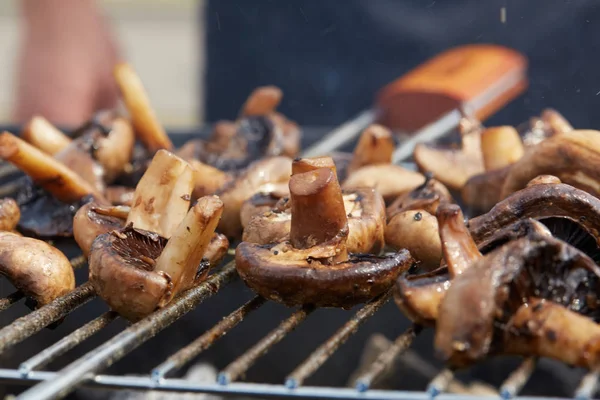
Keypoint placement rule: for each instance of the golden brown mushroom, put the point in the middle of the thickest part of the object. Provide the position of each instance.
(375, 146)
(40, 133)
(548, 124)
(10, 214)
(39, 270)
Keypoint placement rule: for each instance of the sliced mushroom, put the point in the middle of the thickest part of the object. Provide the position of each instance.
(137, 271)
(454, 166)
(39, 270)
(40, 133)
(263, 176)
(10, 214)
(316, 257)
(573, 158)
(493, 288)
(375, 146)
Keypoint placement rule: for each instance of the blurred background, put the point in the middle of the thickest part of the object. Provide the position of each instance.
(166, 59)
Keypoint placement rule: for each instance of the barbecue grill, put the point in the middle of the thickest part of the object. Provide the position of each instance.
(89, 369)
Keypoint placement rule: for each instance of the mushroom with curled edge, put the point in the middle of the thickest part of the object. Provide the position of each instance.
(572, 157)
(501, 147)
(10, 214)
(375, 146)
(39, 270)
(482, 300)
(52, 192)
(365, 211)
(136, 271)
(314, 266)
(571, 214)
(454, 166)
(412, 223)
(264, 176)
(548, 124)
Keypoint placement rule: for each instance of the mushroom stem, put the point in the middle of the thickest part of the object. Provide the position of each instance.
(114, 151)
(53, 176)
(375, 146)
(501, 146)
(318, 212)
(162, 197)
(184, 251)
(45, 136)
(263, 100)
(458, 247)
(144, 120)
(303, 165)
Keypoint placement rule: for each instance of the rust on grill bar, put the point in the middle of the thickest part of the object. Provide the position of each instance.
(35, 321)
(588, 386)
(207, 339)
(11, 299)
(319, 356)
(515, 382)
(385, 359)
(67, 343)
(238, 367)
(116, 348)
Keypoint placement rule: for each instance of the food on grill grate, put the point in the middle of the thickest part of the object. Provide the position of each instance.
(42, 134)
(454, 166)
(40, 271)
(9, 214)
(375, 146)
(549, 123)
(412, 224)
(93, 220)
(316, 258)
(119, 195)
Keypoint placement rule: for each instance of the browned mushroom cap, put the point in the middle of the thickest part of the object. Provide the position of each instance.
(427, 197)
(482, 191)
(389, 180)
(39, 270)
(45, 136)
(375, 146)
(454, 166)
(260, 205)
(9, 214)
(540, 202)
(548, 124)
(263, 176)
(263, 100)
(500, 147)
(316, 257)
(573, 158)
(93, 220)
(543, 328)
(136, 271)
(494, 287)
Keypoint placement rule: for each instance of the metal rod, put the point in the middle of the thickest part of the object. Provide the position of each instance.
(239, 366)
(67, 343)
(518, 378)
(8, 189)
(129, 339)
(11, 299)
(35, 321)
(7, 169)
(588, 386)
(319, 356)
(78, 262)
(207, 339)
(386, 358)
(440, 383)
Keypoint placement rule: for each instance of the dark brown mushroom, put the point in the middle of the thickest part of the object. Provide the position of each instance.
(10, 214)
(315, 258)
(93, 220)
(260, 205)
(40, 271)
(136, 271)
(427, 197)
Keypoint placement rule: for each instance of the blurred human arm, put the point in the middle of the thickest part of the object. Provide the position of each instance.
(64, 69)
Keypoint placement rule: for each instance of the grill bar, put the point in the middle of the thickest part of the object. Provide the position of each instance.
(206, 340)
(440, 383)
(238, 367)
(588, 386)
(322, 354)
(35, 321)
(8, 189)
(78, 262)
(67, 343)
(129, 339)
(11, 299)
(515, 382)
(386, 358)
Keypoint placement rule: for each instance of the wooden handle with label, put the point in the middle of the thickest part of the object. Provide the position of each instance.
(481, 77)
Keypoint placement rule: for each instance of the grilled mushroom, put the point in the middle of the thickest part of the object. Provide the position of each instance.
(364, 208)
(454, 166)
(39, 270)
(260, 205)
(10, 214)
(45, 136)
(548, 124)
(573, 158)
(119, 195)
(136, 271)
(493, 288)
(375, 146)
(93, 220)
(315, 258)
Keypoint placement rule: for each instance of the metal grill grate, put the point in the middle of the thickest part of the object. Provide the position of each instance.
(85, 370)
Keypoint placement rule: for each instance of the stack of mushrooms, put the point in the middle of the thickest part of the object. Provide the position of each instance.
(514, 271)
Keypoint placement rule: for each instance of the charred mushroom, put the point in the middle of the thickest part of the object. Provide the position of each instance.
(39, 270)
(454, 166)
(316, 257)
(136, 271)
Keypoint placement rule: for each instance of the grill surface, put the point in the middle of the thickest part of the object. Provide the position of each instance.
(85, 370)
